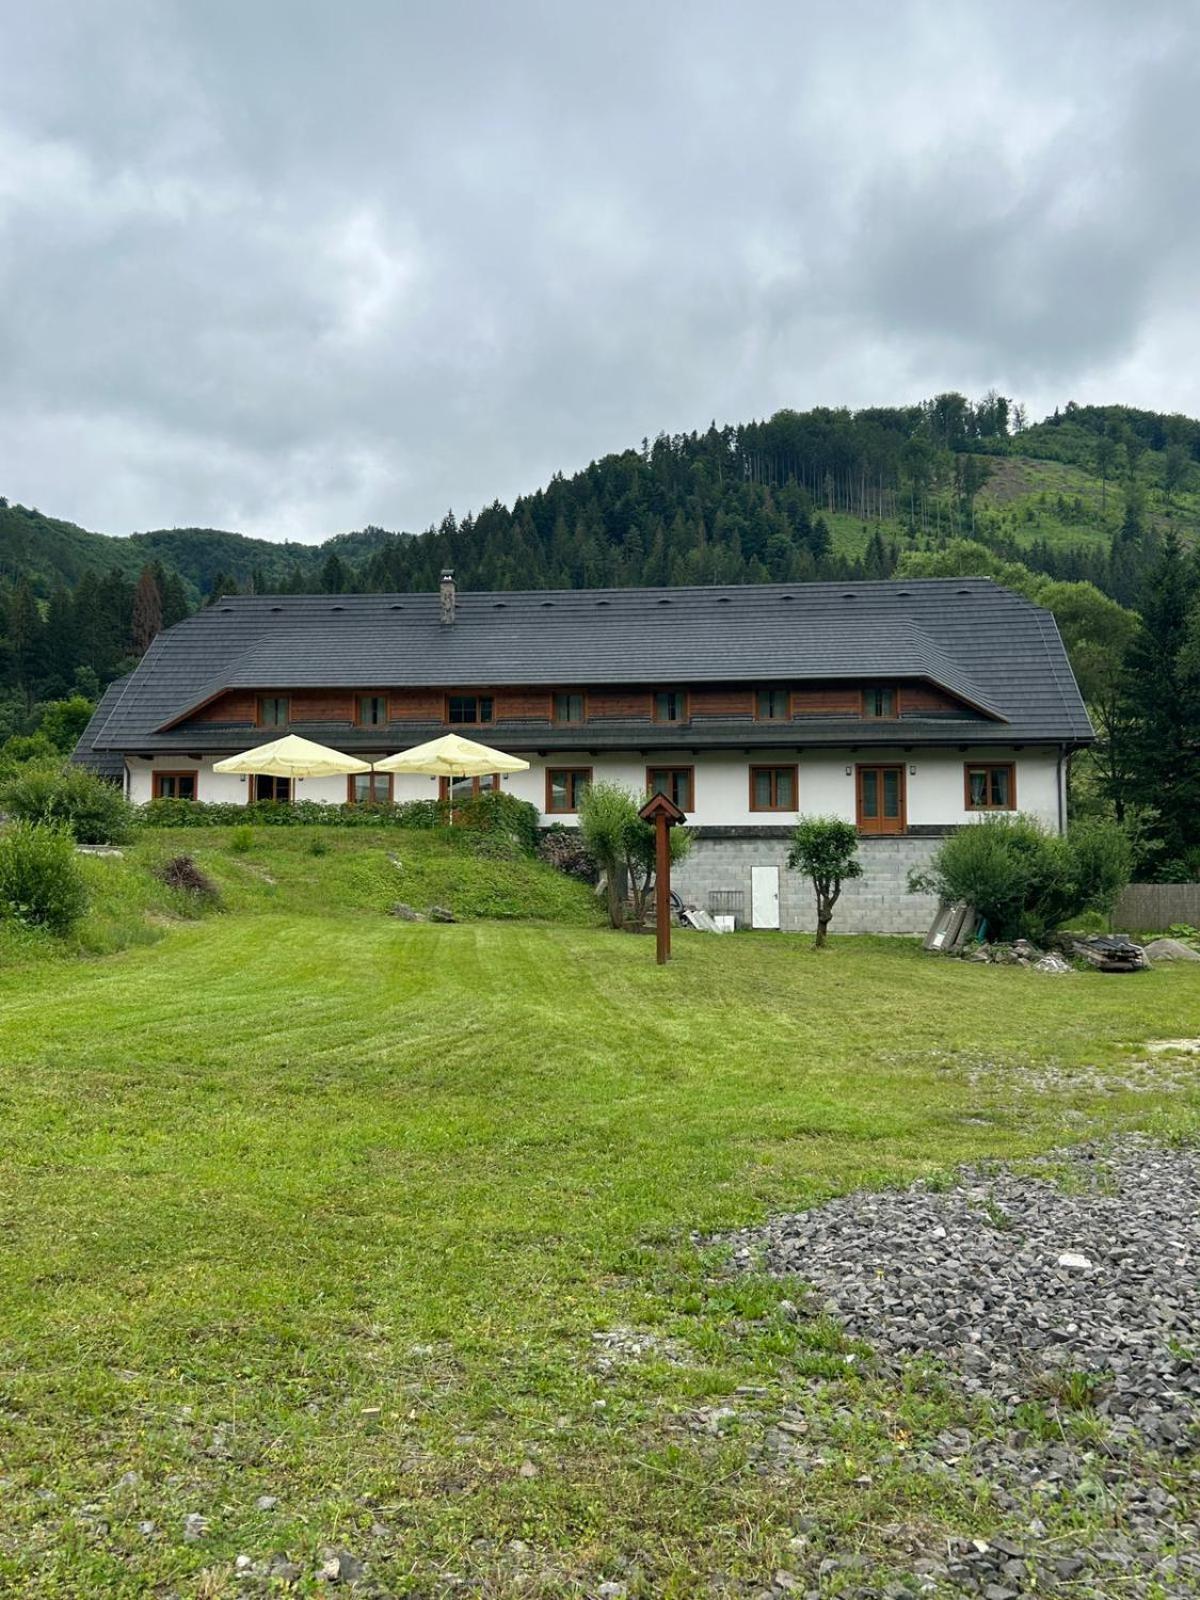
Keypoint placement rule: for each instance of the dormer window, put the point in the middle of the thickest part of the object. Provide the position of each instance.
(879, 703)
(568, 707)
(772, 705)
(670, 705)
(274, 710)
(469, 710)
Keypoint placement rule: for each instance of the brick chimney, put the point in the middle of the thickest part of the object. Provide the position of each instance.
(448, 593)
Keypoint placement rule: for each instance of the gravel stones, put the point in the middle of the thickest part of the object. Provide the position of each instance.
(1070, 1293)
(1015, 1281)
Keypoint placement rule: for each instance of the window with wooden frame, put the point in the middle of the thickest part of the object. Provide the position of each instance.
(564, 789)
(880, 799)
(265, 786)
(773, 705)
(467, 788)
(772, 788)
(990, 786)
(371, 710)
(569, 706)
(879, 702)
(671, 705)
(369, 789)
(274, 710)
(469, 710)
(175, 785)
(677, 783)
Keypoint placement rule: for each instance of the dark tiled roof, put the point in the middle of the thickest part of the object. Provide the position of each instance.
(108, 763)
(988, 647)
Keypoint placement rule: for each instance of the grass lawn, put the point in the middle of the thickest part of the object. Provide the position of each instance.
(322, 1206)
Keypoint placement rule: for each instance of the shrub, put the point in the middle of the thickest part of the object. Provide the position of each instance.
(490, 811)
(1025, 881)
(620, 843)
(40, 881)
(241, 840)
(181, 872)
(93, 811)
(826, 849)
(318, 847)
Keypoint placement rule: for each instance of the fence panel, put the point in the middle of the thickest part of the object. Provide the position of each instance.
(1150, 907)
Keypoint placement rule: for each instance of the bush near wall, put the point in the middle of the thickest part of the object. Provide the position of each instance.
(492, 812)
(91, 810)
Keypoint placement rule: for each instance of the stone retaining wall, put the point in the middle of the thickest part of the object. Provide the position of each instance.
(878, 902)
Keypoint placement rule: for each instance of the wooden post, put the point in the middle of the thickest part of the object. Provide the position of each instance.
(664, 814)
(662, 888)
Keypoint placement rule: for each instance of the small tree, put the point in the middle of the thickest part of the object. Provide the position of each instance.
(641, 859)
(826, 848)
(623, 847)
(606, 814)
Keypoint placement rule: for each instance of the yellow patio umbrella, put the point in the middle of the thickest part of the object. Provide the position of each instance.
(292, 757)
(452, 757)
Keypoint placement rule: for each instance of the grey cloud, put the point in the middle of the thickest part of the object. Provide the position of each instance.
(293, 267)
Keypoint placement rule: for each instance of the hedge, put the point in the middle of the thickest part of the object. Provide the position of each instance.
(490, 812)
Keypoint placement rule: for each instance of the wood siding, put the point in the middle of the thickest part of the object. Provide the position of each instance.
(711, 702)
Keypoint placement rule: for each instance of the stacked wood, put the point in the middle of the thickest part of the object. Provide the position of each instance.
(1111, 952)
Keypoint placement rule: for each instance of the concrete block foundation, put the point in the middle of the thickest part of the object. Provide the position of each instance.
(878, 902)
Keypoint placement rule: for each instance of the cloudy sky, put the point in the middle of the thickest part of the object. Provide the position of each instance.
(294, 266)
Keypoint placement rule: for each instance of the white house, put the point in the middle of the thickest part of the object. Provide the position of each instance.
(907, 708)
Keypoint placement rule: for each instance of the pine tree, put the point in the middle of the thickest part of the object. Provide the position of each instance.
(1165, 740)
(147, 616)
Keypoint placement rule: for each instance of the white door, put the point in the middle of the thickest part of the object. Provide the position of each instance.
(764, 897)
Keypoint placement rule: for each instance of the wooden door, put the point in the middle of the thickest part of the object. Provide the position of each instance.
(881, 799)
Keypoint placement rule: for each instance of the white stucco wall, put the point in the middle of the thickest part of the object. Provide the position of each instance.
(934, 780)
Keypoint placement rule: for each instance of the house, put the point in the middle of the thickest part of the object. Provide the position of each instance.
(909, 708)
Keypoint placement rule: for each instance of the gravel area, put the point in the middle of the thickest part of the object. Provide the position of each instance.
(1069, 1295)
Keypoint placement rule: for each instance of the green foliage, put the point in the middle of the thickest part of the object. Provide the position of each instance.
(607, 817)
(241, 840)
(1026, 881)
(40, 881)
(93, 811)
(492, 811)
(63, 721)
(826, 850)
(623, 846)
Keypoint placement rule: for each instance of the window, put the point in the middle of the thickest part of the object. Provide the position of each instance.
(469, 708)
(175, 785)
(772, 705)
(568, 708)
(881, 799)
(467, 788)
(879, 703)
(565, 786)
(265, 787)
(273, 710)
(991, 787)
(371, 710)
(369, 789)
(677, 783)
(670, 705)
(772, 788)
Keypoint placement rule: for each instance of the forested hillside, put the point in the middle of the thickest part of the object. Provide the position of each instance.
(1094, 512)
